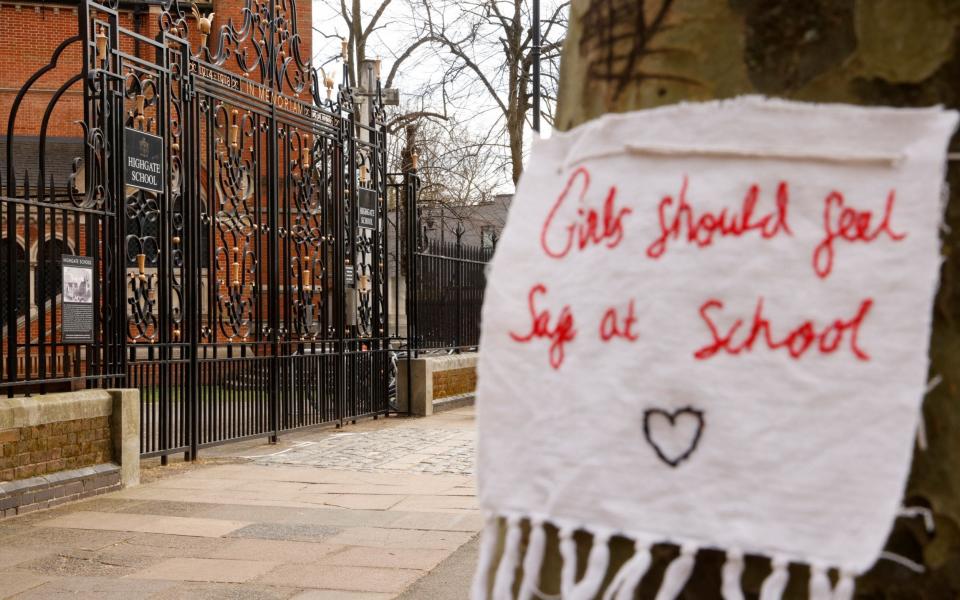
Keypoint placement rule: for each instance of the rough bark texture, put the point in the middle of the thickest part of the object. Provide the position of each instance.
(628, 54)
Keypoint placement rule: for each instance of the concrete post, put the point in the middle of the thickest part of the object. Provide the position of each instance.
(125, 429)
(421, 375)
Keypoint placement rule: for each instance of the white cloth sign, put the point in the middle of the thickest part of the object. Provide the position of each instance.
(707, 325)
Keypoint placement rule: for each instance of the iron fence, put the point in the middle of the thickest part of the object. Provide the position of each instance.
(245, 290)
(39, 227)
(447, 284)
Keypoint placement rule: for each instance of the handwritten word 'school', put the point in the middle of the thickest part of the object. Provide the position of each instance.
(588, 227)
(796, 341)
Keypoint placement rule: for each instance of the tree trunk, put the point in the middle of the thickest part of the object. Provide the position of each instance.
(629, 54)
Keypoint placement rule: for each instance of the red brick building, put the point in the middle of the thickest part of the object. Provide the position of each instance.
(30, 34)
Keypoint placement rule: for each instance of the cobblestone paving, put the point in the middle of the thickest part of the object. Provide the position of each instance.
(396, 449)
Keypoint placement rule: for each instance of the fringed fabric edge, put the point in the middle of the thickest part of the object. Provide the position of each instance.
(528, 560)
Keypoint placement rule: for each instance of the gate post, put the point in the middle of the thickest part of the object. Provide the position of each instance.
(273, 218)
(459, 313)
(410, 181)
(191, 212)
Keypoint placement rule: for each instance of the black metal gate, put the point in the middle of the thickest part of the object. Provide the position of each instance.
(254, 287)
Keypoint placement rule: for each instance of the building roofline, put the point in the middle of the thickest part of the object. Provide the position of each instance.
(74, 3)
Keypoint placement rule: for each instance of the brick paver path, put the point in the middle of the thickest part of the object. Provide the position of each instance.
(356, 514)
(395, 449)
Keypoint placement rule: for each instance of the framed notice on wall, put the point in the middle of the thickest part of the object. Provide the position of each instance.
(143, 160)
(77, 315)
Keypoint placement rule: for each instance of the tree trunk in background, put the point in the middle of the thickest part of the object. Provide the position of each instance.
(629, 54)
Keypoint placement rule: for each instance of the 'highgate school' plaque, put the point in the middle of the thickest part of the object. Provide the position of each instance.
(143, 160)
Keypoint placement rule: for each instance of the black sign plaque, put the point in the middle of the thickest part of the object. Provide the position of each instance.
(76, 326)
(367, 209)
(143, 161)
(349, 276)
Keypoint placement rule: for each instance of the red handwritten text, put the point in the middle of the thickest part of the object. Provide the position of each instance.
(849, 224)
(678, 220)
(611, 326)
(559, 334)
(588, 227)
(798, 341)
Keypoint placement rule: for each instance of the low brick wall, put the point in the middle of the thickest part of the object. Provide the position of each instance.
(51, 447)
(60, 447)
(437, 382)
(35, 493)
(454, 382)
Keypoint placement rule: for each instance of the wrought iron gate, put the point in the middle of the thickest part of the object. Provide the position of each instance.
(253, 280)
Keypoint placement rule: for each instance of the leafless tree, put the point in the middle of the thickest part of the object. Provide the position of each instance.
(486, 48)
(480, 55)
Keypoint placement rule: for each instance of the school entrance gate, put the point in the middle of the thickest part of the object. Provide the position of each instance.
(234, 206)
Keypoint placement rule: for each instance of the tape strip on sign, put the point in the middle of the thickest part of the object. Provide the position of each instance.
(707, 325)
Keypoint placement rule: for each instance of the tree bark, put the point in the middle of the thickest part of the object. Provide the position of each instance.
(623, 55)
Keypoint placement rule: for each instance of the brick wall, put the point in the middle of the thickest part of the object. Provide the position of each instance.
(51, 447)
(454, 382)
(60, 447)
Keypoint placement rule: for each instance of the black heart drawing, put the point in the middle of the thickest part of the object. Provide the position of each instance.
(680, 449)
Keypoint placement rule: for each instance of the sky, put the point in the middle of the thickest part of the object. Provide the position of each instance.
(424, 68)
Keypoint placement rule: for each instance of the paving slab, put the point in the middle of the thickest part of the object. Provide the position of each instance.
(57, 538)
(145, 524)
(400, 538)
(162, 507)
(277, 487)
(354, 579)
(15, 582)
(292, 552)
(283, 531)
(195, 590)
(451, 580)
(169, 546)
(439, 486)
(340, 595)
(199, 481)
(450, 521)
(88, 563)
(353, 501)
(422, 559)
(10, 557)
(214, 497)
(206, 569)
(439, 504)
(101, 588)
(313, 515)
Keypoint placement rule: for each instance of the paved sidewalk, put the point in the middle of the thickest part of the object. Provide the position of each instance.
(359, 514)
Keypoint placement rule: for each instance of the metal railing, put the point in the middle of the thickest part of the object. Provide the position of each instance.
(38, 227)
(448, 281)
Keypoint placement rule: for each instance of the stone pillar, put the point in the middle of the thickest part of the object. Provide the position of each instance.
(125, 430)
(421, 375)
